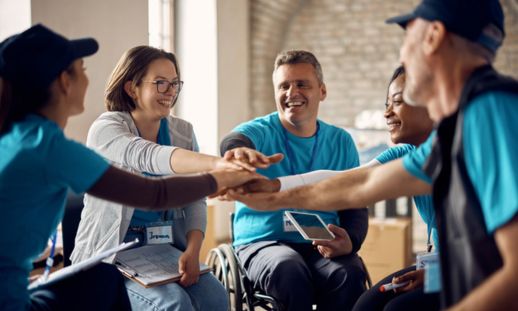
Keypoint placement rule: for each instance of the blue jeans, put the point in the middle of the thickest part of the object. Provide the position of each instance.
(208, 294)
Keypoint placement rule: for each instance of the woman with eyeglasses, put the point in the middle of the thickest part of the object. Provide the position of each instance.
(138, 134)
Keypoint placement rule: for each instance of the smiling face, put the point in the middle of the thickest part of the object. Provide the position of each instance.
(150, 104)
(406, 124)
(298, 93)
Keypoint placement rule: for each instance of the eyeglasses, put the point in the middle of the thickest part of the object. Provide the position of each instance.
(162, 86)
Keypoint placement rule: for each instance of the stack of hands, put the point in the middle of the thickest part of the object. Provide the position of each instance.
(256, 191)
(236, 173)
(237, 179)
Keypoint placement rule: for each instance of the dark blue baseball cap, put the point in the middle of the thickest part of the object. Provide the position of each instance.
(480, 21)
(38, 55)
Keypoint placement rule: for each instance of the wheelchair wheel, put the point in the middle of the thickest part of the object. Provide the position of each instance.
(223, 263)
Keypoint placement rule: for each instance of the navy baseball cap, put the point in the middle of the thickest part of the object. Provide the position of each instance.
(480, 21)
(39, 55)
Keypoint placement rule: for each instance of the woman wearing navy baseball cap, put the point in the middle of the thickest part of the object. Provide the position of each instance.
(43, 83)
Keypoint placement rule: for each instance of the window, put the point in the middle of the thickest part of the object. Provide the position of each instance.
(161, 26)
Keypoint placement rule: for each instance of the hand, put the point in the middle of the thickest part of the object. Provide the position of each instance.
(258, 201)
(414, 278)
(227, 178)
(221, 163)
(34, 277)
(261, 185)
(256, 185)
(189, 268)
(340, 245)
(248, 157)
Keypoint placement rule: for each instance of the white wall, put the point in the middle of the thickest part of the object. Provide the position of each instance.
(233, 64)
(212, 47)
(116, 24)
(15, 16)
(197, 55)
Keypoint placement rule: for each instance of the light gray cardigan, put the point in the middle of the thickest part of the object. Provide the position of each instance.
(104, 224)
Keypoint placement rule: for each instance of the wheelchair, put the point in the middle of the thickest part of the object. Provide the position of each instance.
(228, 270)
(242, 295)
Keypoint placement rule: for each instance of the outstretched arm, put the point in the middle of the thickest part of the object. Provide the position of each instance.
(293, 181)
(160, 193)
(111, 136)
(349, 189)
(187, 162)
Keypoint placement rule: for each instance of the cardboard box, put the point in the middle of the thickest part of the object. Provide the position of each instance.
(388, 246)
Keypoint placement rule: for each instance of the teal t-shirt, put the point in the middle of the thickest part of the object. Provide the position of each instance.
(335, 150)
(490, 147)
(38, 165)
(423, 203)
(414, 161)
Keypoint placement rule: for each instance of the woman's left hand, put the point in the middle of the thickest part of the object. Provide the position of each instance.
(414, 278)
(189, 268)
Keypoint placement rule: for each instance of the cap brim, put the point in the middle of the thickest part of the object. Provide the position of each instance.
(84, 47)
(401, 20)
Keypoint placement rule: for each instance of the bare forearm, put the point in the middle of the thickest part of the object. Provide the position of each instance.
(355, 188)
(194, 240)
(331, 194)
(185, 161)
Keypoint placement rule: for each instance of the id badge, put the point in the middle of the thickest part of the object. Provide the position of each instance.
(159, 232)
(425, 258)
(432, 277)
(287, 224)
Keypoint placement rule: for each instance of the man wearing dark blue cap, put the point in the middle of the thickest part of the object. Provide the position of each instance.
(447, 53)
(448, 50)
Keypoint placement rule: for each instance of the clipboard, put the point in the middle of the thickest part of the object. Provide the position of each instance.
(152, 265)
(81, 266)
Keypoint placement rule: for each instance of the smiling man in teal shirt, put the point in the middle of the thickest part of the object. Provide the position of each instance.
(277, 258)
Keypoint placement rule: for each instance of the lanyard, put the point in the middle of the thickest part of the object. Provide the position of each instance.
(291, 155)
(50, 260)
(429, 245)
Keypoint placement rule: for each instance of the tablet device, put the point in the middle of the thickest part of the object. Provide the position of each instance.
(311, 226)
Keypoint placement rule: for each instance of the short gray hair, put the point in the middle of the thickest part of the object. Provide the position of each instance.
(299, 57)
(473, 48)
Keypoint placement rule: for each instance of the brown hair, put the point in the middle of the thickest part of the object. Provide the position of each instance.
(132, 66)
(299, 57)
